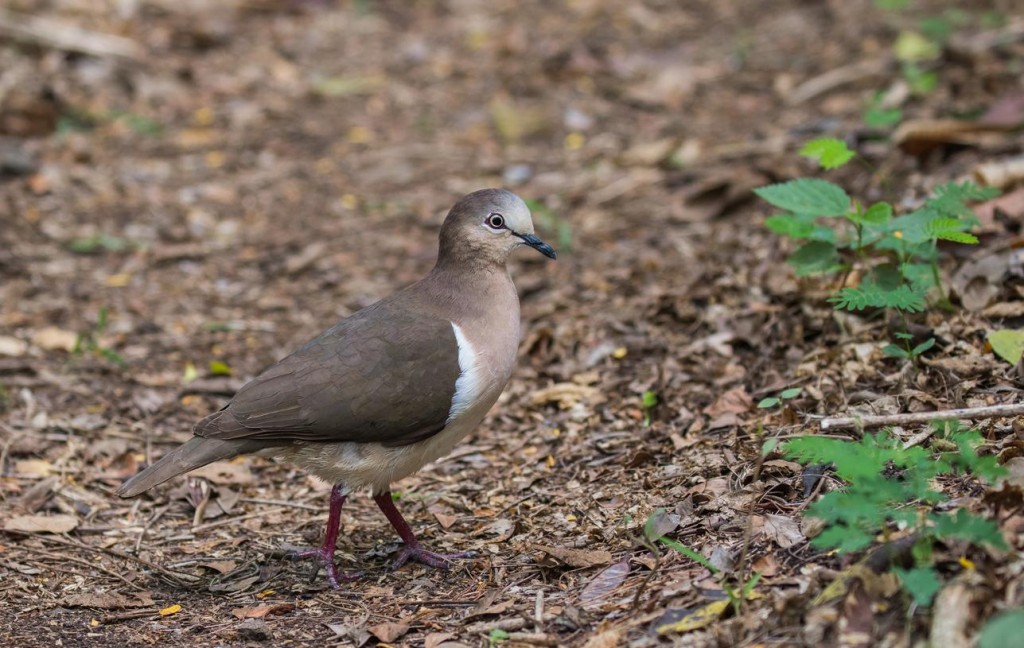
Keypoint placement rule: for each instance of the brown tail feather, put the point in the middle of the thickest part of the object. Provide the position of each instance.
(194, 453)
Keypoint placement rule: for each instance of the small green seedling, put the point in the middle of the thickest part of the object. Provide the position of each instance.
(651, 538)
(89, 341)
(784, 395)
(895, 257)
(497, 636)
(649, 400)
(889, 485)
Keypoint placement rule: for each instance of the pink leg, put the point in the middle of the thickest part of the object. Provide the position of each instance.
(412, 549)
(325, 552)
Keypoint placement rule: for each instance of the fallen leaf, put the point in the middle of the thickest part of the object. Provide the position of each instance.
(610, 638)
(11, 346)
(171, 609)
(388, 632)
(565, 395)
(261, 611)
(446, 521)
(41, 523)
(106, 600)
(696, 619)
(33, 468)
(52, 338)
(783, 530)
(734, 401)
(435, 639)
(605, 582)
(575, 557)
(1007, 344)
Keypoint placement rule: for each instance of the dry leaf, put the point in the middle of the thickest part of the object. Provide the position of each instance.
(610, 638)
(605, 582)
(565, 394)
(33, 468)
(106, 600)
(11, 346)
(41, 523)
(388, 632)
(260, 611)
(52, 338)
(699, 618)
(435, 639)
(783, 529)
(734, 401)
(575, 557)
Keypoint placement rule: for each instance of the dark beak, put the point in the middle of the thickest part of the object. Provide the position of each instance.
(537, 244)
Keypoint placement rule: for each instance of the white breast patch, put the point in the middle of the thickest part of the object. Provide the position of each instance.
(470, 385)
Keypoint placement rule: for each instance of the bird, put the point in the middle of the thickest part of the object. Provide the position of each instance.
(389, 388)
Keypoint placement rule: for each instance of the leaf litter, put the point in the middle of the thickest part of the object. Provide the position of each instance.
(191, 216)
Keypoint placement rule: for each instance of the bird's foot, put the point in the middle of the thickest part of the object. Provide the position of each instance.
(325, 558)
(429, 558)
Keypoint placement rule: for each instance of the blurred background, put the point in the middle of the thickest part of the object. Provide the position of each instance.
(189, 189)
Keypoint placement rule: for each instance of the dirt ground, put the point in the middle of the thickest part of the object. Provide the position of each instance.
(190, 197)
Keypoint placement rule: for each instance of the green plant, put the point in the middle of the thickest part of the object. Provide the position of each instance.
(648, 400)
(784, 395)
(90, 342)
(891, 260)
(1002, 630)
(551, 221)
(651, 538)
(890, 485)
(496, 637)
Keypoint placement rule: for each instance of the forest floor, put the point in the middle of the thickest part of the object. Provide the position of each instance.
(188, 199)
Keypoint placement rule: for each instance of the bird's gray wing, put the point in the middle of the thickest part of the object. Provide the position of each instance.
(382, 375)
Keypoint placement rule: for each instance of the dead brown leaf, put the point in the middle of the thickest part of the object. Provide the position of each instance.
(261, 611)
(575, 557)
(605, 582)
(41, 523)
(734, 401)
(225, 472)
(783, 530)
(390, 631)
(107, 600)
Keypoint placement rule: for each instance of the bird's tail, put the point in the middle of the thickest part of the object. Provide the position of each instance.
(195, 453)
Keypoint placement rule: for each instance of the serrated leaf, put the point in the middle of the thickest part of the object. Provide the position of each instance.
(964, 525)
(877, 214)
(790, 225)
(922, 583)
(831, 153)
(1007, 344)
(813, 258)
(856, 299)
(807, 196)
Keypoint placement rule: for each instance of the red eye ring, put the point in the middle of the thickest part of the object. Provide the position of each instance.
(495, 221)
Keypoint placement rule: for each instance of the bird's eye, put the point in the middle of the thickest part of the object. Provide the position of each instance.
(495, 221)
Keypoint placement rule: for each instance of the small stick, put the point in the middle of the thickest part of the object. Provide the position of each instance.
(864, 422)
(66, 36)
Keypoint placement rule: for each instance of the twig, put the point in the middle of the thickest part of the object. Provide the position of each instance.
(835, 78)
(864, 422)
(62, 35)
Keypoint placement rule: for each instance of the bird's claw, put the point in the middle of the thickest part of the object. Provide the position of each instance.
(325, 559)
(429, 558)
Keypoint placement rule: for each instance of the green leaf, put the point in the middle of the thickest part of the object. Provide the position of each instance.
(1007, 344)
(911, 47)
(893, 351)
(877, 117)
(497, 635)
(790, 225)
(218, 368)
(807, 196)
(903, 298)
(922, 583)
(649, 399)
(792, 392)
(692, 554)
(831, 153)
(877, 214)
(766, 403)
(921, 348)
(964, 525)
(815, 257)
(1003, 630)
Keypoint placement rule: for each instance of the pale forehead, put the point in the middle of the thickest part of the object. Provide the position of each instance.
(515, 211)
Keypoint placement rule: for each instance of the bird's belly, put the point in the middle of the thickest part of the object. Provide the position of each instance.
(373, 465)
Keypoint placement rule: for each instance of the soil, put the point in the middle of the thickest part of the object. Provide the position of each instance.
(185, 204)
